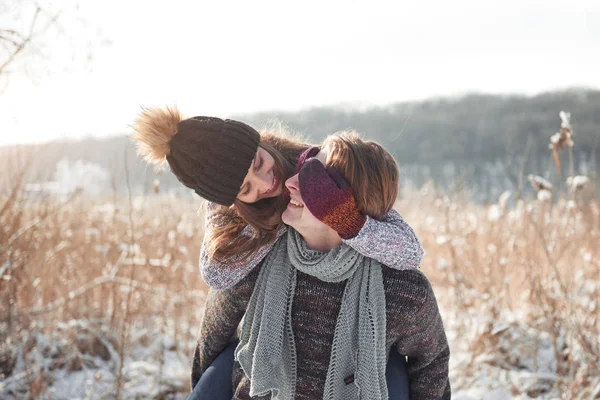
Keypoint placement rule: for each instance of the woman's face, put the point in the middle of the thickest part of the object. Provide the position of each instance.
(260, 182)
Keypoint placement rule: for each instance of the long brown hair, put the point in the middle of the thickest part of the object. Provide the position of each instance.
(264, 216)
(370, 170)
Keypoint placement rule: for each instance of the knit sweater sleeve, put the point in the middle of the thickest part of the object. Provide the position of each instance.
(223, 312)
(390, 241)
(421, 336)
(222, 275)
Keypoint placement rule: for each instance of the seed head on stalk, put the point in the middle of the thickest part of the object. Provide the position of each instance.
(561, 139)
(577, 183)
(539, 183)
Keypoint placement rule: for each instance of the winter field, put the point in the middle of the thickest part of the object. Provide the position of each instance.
(102, 300)
(101, 297)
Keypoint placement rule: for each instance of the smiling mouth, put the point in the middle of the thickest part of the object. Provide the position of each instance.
(273, 186)
(296, 203)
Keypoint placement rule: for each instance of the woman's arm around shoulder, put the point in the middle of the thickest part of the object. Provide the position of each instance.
(390, 241)
(224, 274)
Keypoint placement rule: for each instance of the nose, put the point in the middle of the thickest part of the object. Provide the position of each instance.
(293, 183)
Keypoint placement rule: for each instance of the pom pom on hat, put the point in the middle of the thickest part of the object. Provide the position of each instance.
(154, 128)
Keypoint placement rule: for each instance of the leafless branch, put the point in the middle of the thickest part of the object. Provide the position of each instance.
(17, 45)
(23, 44)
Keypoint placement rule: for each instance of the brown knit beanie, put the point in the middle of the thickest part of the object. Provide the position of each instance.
(207, 154)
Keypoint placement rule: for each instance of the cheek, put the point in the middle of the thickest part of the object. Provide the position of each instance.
(244, 199)
(308, 218)
(270, 161)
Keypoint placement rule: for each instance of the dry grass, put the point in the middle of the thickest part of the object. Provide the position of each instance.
(535, 261)
(74, 260)
(510, 277)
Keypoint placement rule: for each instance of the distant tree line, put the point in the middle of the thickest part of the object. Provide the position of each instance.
(474, 127)
(485, 140)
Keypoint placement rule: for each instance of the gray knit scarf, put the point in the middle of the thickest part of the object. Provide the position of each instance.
(267, 351)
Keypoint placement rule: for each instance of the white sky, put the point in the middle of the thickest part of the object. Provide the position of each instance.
(226, 57)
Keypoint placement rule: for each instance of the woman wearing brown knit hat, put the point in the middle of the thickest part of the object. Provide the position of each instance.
(241, 173)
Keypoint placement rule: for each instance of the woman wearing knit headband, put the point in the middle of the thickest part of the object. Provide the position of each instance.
(241, 173)
(320, 320)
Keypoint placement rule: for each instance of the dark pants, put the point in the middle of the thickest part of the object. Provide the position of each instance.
(215, 383)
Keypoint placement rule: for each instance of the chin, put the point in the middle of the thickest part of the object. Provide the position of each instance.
(288, 218)
(284, 218)
(278, 191)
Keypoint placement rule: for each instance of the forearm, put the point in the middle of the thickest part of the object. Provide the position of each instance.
(425, 344)
(223, 312)
(224, 274)
(390, 241)
(430, 381)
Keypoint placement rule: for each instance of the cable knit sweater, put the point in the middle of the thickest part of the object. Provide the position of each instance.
(414, 325)
(390, 241)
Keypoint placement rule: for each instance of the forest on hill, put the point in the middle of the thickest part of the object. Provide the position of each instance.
(485, 140)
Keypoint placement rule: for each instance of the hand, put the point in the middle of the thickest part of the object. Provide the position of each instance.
(329, 198)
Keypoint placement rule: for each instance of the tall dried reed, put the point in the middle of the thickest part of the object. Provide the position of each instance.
(129, 262)
(513, 277)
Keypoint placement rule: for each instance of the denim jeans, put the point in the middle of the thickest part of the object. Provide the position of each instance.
(216, 382)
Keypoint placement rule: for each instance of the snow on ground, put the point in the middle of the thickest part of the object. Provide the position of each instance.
(506, 357)
(79, 360)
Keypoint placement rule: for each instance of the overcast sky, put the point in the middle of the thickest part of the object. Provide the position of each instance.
(224, 57)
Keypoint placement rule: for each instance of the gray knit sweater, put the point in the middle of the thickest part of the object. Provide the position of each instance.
(414, 325)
